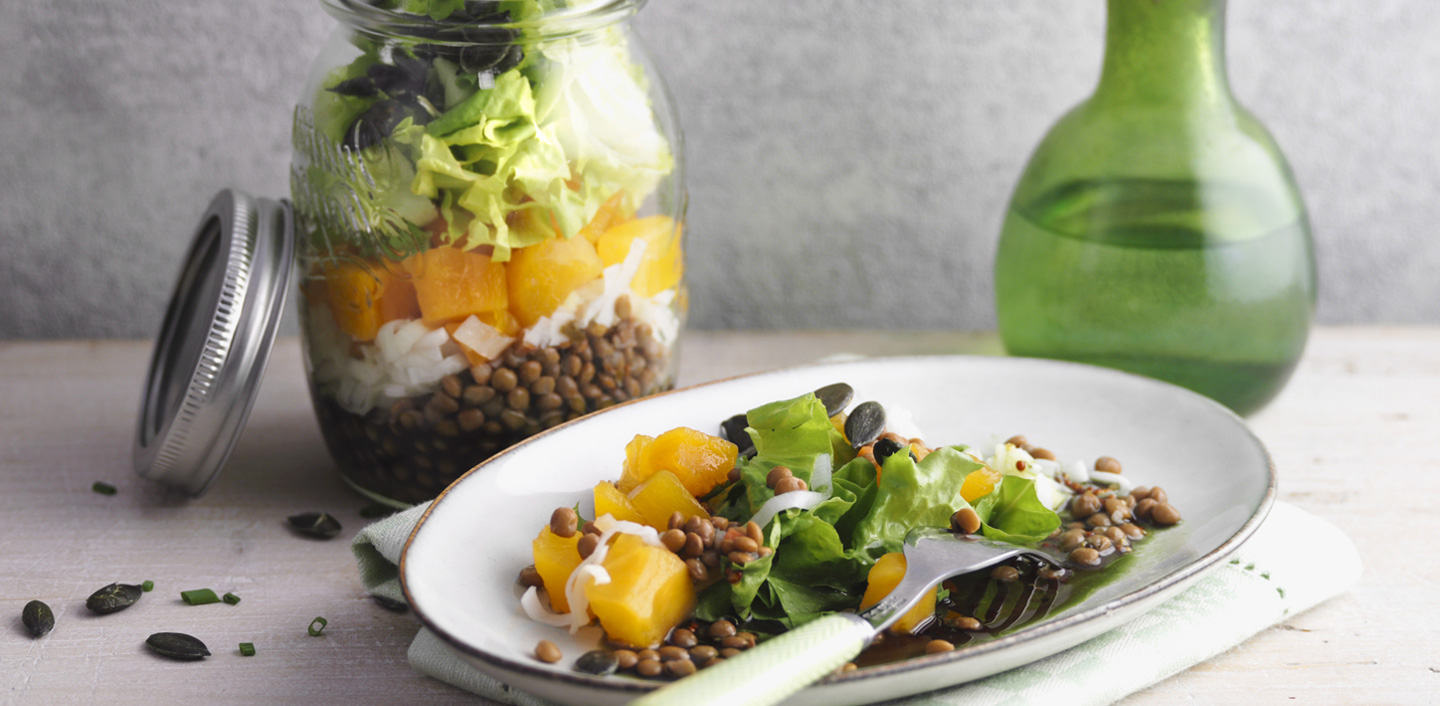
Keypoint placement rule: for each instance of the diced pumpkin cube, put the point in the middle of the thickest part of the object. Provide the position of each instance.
(663, 263)
(649, 593)
(610, 213)
(542, 275)
(884, 576)
(501, 321)
(364, 296)
(631, 476)
(661, 495)
(979, 483)
(699, 460)
(555, 559)
(609, 500)
(453, 284)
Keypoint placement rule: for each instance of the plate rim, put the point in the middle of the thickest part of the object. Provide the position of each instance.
(1178, 577)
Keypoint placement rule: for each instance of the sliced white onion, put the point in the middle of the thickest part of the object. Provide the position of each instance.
(1049, 493)
(1075, 470)
(820, 476)
(538, 613)
(803, 499)
(481, 337)
(1114, 480)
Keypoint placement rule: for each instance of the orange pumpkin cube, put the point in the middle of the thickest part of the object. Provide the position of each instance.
(610, 213)
(609, 500)
(661, 495)
(883, 577)
(649, 593)
(542, 275)
(663, 263)
(635, 451)
(555, 559)
(364, 296)
(452, 284)
(979, 483)
(699, 460)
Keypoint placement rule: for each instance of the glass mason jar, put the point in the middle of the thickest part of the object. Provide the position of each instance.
(1157, 228)
(489, 202)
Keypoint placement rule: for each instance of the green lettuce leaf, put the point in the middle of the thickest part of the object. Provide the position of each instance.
(910, 495)
(791, 433)
(1013, 513)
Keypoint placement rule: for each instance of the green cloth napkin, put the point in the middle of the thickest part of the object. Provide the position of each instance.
(1293, 562)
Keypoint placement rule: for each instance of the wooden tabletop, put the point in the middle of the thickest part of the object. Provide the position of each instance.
(1356, 438)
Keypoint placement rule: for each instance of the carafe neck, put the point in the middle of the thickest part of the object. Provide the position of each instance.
(1165, 52)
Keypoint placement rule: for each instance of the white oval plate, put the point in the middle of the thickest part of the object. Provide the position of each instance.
(459, 566)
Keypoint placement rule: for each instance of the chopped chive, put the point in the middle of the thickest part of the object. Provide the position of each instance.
(103, 488)
(147, 586)
(200, 596)
(247, 649)
(230, 598)
(315, 631)
(376, 511)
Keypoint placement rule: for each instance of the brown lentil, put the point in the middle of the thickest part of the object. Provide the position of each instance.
(645, 654)
(1005, 573)
(1159, 495)
(530, 577)
(700, 653)
(729, 652)
(1144, 507)
(1085, 505)
(694, 546)
(1165, 514)
(938, 646)
(649, 668)
(681, 637)
(698, 570)
(720, 523)
(589, 528)
(1045, 454)
(670, 653)
(1116, 535)
(710, 558)
(965, 520)
(1018, 440)
(1085, 556)
(1098, 519)
(736, 642)
(547, 652)
(753, 531)
(626, 659)
(747, 545)
(681, 667)
(790, 484)
(1105, 464)
(721, 629)
(673, 539)
(1132, 530)
(740, 558)
(588, 544)
(1072, 539)
(965, 623)
(563, 522)
(776, 475)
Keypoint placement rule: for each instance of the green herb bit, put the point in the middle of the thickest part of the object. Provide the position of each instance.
(103, 488)
(247, 649)
(148, 586)
(200, 596)
(317, 626)
(230, 598)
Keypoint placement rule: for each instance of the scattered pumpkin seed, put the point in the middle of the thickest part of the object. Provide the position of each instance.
(38, 618)
(865, 424)
(315, 524)
(147, 586)
(247, 649)
(835, 397)
(177, 645)
(599, 662)
(230, 598)
(199, 596)
(113, 598)
(885, 448)
(103, 488)
(734, 430)
(314, 630)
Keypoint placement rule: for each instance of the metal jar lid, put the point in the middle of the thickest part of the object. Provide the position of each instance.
(215, 341)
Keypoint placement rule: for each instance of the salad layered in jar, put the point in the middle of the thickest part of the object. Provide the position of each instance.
(489, 209)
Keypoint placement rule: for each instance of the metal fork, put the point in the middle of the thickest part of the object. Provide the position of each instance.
(783, 665)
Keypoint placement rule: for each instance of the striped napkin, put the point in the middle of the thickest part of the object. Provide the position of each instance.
(1278, 573)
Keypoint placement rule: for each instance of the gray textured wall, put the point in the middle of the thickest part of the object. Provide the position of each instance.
(832, 143)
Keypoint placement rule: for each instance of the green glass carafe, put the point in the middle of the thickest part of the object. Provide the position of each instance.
(1157, 228)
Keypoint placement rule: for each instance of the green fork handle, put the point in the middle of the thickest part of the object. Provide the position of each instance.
(773, 670)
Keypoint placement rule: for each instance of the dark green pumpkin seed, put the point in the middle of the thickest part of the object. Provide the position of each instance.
(601, 662)
(835, 397)
(865, 424)
(38, 618)
(112, 598)
(734, 430)
(315, 524)
(177, 645)
(885, 448)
